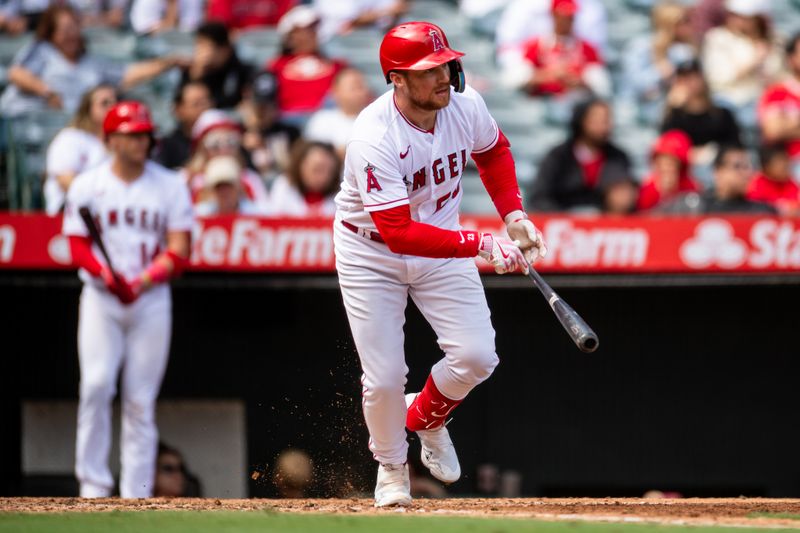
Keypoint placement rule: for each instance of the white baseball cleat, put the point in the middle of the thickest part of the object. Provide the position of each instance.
(438, 453)
(394, 486)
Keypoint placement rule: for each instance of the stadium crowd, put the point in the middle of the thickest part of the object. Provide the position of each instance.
(714, 77)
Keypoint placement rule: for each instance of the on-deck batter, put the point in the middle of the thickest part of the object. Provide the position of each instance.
(144, 212)
(397, 234)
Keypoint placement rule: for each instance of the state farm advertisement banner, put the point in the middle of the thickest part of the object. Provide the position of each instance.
(576, 244)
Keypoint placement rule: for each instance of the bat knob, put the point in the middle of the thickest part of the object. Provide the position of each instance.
(588, 343)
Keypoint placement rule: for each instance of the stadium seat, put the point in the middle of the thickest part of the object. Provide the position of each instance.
(175, 42)
(28, 138)
(258, 46)
(109, 43)
(9, 46)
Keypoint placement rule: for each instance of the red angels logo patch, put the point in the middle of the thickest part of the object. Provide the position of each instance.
(437, 41)
(372, 181)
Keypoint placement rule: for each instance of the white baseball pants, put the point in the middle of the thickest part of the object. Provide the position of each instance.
(133, 339)
(375, 285)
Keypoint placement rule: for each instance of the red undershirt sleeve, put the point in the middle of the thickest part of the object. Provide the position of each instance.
(406, 236)
(496, 168)
(82, 256)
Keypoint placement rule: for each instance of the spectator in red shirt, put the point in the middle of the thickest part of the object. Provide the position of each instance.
(304, 75)
(562, 62)
(669, 174)
(577, 174)
(779, 108)
(774, 185)
(242, 14)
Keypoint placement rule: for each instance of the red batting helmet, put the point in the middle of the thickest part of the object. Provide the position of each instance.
(128, 117)
(420, 46)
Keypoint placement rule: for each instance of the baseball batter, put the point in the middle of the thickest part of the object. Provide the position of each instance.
(144, 212)
(397, 234)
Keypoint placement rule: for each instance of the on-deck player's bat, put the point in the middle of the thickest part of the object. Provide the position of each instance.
(94, 233)
(578, 330)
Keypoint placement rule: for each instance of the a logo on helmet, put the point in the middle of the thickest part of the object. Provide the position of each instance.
(437, 41)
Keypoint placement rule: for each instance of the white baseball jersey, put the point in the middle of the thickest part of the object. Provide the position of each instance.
(391, 162)
(134, 217)
(71, 151)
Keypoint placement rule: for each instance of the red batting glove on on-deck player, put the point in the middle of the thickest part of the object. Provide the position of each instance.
(82, 256)
(503, 254)
(118, 287)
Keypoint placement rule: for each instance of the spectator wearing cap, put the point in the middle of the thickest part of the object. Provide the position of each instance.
(344, 16)
(351, 95)
(523, 20)
(224, 196)
(310, 183)
(741, 57)
(561, 64)
(217, 133)
(155, 16)
(191, 100)
(54, 71)
(246, 14)
(303, 73)
(732, 174)
(669, 170)
(78, 147)
(779, 107)
(575, 175)
(650, 60)
(216, 64)
(773, 184)
(690, 109)
(267, 138)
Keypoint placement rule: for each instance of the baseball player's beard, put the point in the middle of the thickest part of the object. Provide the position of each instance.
(432, 103)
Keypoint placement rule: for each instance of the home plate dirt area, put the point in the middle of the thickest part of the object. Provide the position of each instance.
(752, 512)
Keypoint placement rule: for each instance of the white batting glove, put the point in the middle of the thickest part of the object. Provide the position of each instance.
(529, 237)
(503, 254)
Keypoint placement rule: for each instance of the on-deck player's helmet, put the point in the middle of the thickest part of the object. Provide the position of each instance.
(420, 46)
(128, 117)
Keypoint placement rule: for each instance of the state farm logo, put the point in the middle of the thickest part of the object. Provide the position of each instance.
(714, 244)
(8, 237)
(248, 243)
(770, 244)
(574, 247)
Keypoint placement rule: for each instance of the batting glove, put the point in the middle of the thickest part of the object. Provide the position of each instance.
(118, 287)
(503, 254)
(529, 237)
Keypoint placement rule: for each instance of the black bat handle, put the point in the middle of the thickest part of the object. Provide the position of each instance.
(579, 331)
(94, 233)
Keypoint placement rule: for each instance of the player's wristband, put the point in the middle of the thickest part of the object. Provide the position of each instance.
(166, 266)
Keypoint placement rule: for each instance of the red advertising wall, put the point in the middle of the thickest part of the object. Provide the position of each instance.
(576, 244)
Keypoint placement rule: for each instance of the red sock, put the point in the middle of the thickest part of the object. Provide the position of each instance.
(430, 408)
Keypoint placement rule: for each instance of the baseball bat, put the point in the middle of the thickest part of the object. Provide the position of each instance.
(94, 233)
(577, 328)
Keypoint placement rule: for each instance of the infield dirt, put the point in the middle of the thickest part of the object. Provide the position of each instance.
(752, 512)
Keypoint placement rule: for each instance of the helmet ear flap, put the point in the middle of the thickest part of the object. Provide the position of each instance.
(457, 75)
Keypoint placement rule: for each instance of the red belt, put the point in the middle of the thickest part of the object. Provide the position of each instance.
(371, 235)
